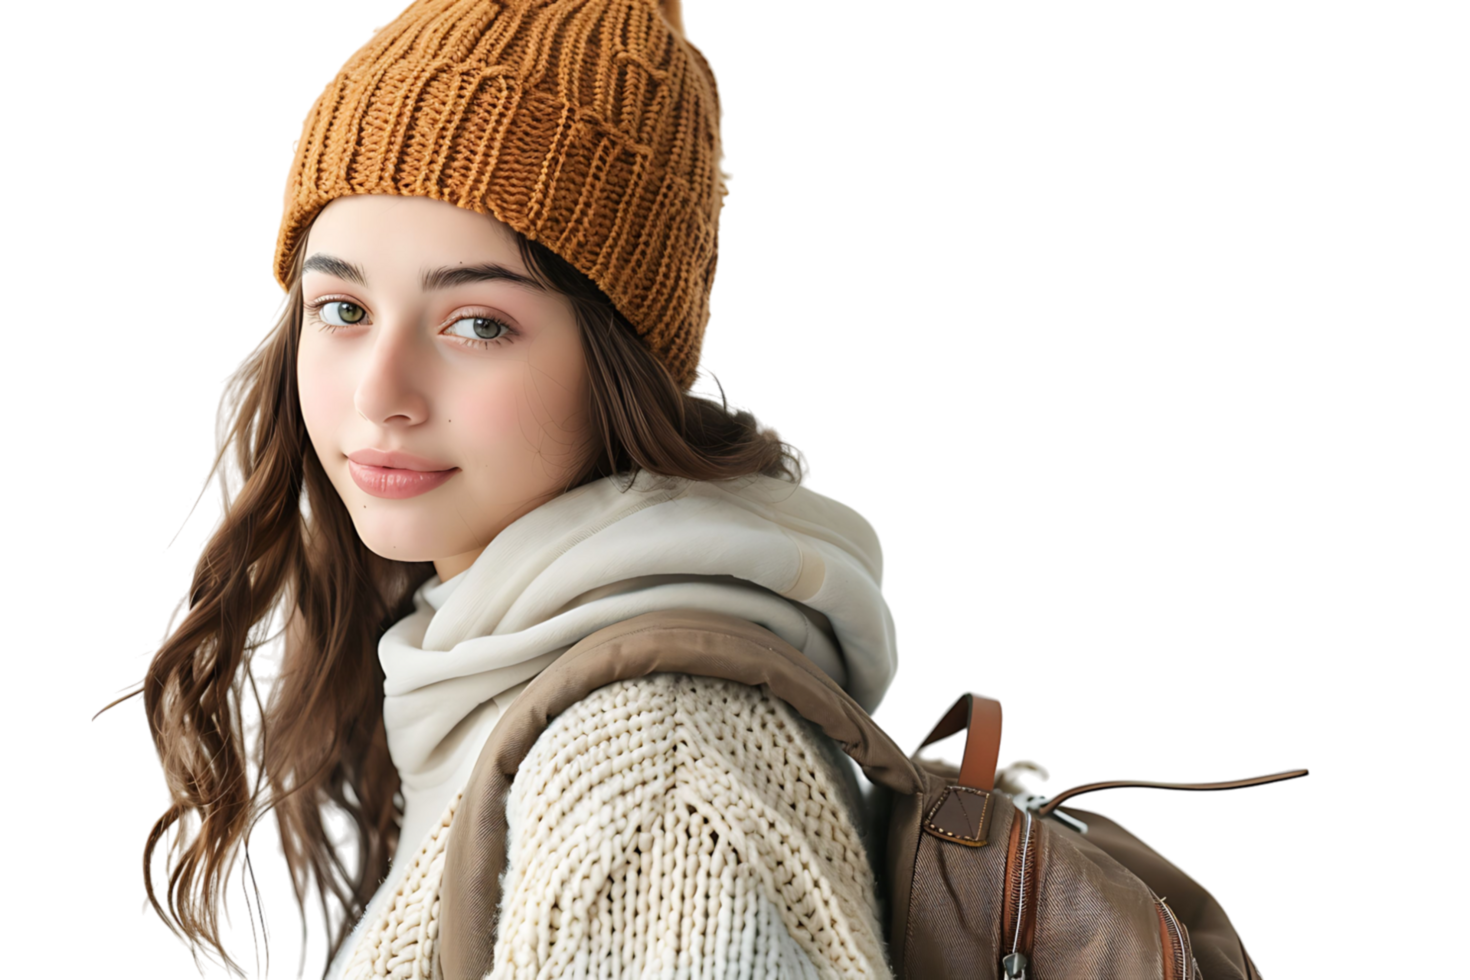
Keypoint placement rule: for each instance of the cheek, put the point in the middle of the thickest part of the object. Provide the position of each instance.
(517, 415)
(326, 391)
(487, 420)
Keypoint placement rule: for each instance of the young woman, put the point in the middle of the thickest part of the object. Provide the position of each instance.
(468, 444)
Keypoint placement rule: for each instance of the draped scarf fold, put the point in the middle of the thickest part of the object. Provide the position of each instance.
(802, 565)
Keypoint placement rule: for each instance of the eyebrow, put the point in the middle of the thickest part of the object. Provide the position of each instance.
(445, 277)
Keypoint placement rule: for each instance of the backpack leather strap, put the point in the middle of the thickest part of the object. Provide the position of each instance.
(1060, 798)
(981, 719)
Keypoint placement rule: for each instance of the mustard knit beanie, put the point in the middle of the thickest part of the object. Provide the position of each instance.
(590, 126)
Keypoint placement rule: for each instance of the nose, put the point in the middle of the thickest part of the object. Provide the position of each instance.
(390, 391)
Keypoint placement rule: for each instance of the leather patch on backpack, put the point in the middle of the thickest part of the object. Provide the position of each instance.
(961, 815)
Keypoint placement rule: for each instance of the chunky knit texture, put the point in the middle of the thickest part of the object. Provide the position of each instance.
(669, 826)
(591, 126)
(400, 944)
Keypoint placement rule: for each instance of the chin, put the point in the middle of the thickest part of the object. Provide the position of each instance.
(388, 548)
(399, 555)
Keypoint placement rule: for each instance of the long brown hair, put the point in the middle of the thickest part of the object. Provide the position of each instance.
(287, 548)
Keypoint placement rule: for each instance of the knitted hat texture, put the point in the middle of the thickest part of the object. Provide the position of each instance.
(590, 126)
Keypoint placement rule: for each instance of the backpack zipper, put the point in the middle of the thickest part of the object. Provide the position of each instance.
(1020, 911)
(1020, 896)
(1177, 954)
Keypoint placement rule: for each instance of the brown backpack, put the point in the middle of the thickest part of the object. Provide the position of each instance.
(975, 886)
(1040, 891)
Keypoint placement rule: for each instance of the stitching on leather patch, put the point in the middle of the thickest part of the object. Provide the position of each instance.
(941, 832)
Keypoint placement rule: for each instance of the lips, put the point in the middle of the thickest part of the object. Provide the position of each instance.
(393, 484)
(396, 459)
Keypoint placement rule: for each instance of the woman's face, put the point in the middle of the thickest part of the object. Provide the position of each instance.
(443, 390)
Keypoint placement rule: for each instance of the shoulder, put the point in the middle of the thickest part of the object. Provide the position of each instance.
(703, 811)
(668, 720)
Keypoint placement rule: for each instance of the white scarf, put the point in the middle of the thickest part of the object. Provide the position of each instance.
(800, 564)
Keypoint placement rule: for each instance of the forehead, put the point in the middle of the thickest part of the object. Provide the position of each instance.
(390, 232)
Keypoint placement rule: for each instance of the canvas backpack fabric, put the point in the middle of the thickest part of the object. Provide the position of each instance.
(973, 885)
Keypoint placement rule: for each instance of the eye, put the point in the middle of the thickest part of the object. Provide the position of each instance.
(350, 313)
(479, 328)
(485, 328)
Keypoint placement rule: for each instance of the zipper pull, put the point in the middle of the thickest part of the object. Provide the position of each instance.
(1015, 966)
(1037, 801)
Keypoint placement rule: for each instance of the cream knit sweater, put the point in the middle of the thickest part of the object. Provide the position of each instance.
(669, 826)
